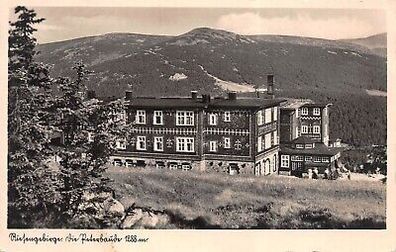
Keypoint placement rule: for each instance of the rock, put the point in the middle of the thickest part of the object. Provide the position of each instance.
(153, 221)
(144, 219)
(132, 218)
(113, 207)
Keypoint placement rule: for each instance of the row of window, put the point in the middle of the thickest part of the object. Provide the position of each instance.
(213, 118)
(306, 146)
(304, 111)
(267, 143)
(285, 159)
(265, 116)
(183, 118)
(307, 129)
(183, 144)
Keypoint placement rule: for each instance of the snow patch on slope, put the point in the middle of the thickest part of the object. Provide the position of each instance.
(178, 76)
(229, 85)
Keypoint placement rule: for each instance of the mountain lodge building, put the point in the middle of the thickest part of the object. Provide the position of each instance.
(235, 135)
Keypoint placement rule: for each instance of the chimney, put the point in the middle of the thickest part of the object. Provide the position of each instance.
(232, 96)
(91, 94)
(194, 95)
(206, 98)
(128, 95)
(270, 84)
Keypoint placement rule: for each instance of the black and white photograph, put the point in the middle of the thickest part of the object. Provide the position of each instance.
(196, 118)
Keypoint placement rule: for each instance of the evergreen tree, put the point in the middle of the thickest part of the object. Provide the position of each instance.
(91, 129)
(31, 182)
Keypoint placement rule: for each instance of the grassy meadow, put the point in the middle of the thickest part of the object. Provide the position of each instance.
(211, 200)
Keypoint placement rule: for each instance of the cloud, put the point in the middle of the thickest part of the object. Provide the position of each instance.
(301, 24)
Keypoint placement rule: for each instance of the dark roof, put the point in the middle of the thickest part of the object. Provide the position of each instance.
(303, 140)
(251, 103)
(311, 105)
(165, 102)
(320, 149)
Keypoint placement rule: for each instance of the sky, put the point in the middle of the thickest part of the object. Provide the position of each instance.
(70, 22)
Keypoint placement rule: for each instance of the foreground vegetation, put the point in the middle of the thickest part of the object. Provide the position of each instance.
(208, 200)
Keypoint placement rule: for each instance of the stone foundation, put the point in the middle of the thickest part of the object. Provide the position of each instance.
(228, 167)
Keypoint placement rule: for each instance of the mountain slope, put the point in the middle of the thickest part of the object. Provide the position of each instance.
(146, 63)
(214, 61)
(376, 43)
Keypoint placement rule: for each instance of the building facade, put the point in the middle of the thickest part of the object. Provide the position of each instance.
(232, 135)
(305, 139)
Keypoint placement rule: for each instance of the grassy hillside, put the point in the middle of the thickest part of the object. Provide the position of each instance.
(203, 200)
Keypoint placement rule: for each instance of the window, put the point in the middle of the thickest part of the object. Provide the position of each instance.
(268, 115)
(304, 111)
(140, 117)
(260, 117)
(297, 158)
(158, 144)
(184, 118)
(325, 159)
(275, 137)
(308, 146)
(275, 113)
(227, 143)
(259, 144)
(317, 159)
(185, 144)
(267, 141)
(297, 132)
(304, 129)
(141, 143)
(316, 111)
(212, 119)
(158, 118)
(212, 146)
(316, 129)
(299, 146)
(121, 145)
(227, 116)
(285, 161)
(308, 158)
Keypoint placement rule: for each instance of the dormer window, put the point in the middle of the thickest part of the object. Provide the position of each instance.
(316, 111)
(299, 146)
(308, 146)
(304, 111)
